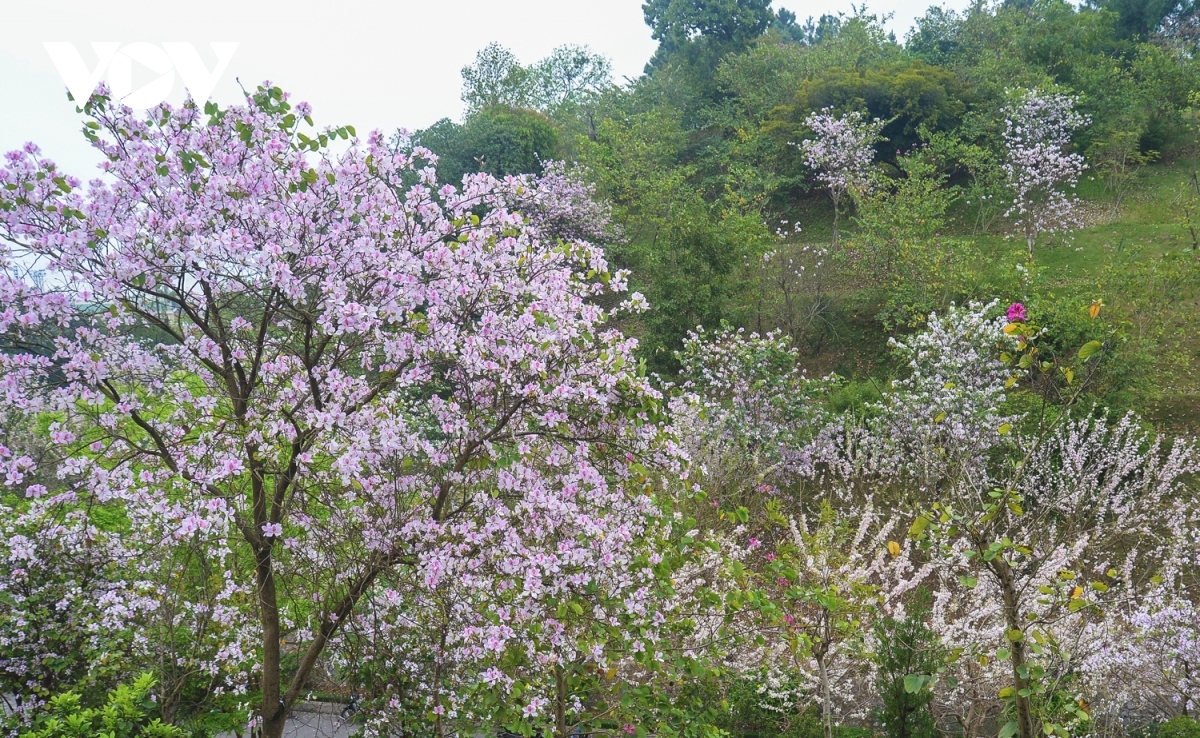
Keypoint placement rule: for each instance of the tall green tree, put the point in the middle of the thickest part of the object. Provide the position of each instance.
(496, 78)
(499, 140)
(715, 25)
(1141, 18)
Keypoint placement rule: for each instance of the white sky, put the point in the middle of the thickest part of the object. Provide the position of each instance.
(383, 64)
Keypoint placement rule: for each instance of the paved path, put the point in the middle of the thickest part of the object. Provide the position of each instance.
(322, 724)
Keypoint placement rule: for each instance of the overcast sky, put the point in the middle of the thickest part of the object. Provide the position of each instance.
(383, 64)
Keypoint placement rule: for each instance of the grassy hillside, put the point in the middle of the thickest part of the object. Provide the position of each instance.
(1137, 259)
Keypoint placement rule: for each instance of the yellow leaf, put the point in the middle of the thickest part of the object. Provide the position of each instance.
(610, 674)
(940, 417)
(1077, 593)
(1010, 328)
(893, 548)
(1094, 308)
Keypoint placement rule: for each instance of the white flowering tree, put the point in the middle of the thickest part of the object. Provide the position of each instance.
(1048, 524)
(841, 152)
(1039, 165)
(1147, 660)
(742, 408)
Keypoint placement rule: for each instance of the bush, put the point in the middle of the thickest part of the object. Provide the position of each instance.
(126, 714)
(909, 653)
(756, 714)
(1180, 727)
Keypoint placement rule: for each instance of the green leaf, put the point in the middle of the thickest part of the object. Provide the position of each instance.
(918, 527)
(1088, 349)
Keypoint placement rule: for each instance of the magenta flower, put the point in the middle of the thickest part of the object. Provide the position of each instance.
(1016, 313)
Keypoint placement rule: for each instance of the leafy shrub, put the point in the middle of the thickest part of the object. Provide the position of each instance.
(909, 654)
(754, 715)
(1181, 726)
(126, 714)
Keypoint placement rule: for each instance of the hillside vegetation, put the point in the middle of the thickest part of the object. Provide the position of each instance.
(701, 163)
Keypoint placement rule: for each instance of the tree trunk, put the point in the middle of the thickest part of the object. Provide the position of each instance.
(1012, 617)
(836, 212)
(560, 702)
(271, 710)
(826, 710)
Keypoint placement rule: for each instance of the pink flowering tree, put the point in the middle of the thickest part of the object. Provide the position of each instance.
(603, 648)
(561, 203)
(336, 376)
(841, 153)
(1039, 164)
